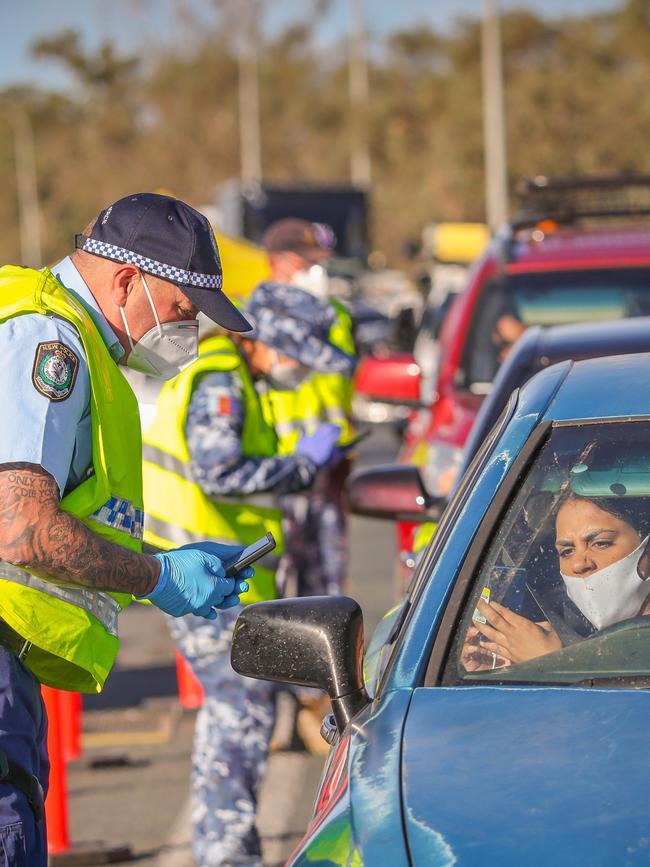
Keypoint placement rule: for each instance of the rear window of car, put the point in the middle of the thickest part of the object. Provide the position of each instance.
(562, 594)
(511, 303)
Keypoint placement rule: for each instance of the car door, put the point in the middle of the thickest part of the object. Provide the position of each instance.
(541, 758)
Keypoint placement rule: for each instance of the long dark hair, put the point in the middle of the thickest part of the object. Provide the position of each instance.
(634, 511)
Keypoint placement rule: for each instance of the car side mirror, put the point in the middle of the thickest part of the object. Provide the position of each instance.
(315, 641)
(394, 491)
(393, 380)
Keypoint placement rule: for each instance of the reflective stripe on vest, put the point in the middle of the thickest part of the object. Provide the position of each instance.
(168, 462)
(73, 630)
(178, 511)
(324, 397)
(181, 536)
(102, 606)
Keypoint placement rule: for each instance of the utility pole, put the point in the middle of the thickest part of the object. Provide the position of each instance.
(26, 188)
(249, 95)
(494, 138)
(360, 167)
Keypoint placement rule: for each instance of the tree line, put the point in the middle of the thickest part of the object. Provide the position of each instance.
(576, 95)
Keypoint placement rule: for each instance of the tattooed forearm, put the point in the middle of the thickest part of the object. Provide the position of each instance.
(37, 534)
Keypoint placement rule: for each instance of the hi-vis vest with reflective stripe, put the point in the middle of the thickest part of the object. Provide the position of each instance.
(74, 631)
(180, 512)
(333, 390)
(324, 397)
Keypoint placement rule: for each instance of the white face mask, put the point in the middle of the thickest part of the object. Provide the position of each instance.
(314, 280)
(612, 594)
(166, 348)
(286, 377)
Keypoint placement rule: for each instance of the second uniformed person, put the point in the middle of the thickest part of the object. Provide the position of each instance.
(315, 521)
(212, 469)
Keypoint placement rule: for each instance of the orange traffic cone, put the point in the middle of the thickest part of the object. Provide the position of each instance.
(56, 803)
(70, 706)
(61, 853)
(190, 690)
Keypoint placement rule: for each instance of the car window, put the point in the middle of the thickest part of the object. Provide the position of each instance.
(562, 594)
(510, 304)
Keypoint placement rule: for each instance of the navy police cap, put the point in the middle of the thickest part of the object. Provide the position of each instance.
(167, 238)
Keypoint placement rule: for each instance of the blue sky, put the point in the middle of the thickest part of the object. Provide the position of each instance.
(142, 24)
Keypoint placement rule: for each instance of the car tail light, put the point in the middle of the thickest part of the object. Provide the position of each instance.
(334, 783)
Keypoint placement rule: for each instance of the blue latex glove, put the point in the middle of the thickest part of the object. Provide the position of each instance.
(339, 453)
(193, 580)
(319, 446)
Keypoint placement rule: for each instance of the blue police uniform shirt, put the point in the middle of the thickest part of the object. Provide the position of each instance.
(38, 430)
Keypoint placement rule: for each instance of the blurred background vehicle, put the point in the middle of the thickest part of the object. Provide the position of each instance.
(247, 209)
(386, 388)
(244, 265)
(577, 251)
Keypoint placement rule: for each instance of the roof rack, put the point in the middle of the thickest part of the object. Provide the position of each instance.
(566, 199)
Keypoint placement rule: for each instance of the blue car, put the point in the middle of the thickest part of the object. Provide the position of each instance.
(500, 713)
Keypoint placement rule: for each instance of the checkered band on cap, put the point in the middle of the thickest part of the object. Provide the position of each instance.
(151, 266)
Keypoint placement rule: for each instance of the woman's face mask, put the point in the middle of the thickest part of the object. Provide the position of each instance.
(165, 349)
(286, 375)
(611, 594)
(314, 280)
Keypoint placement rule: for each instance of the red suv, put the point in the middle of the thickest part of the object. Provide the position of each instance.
(563, 259)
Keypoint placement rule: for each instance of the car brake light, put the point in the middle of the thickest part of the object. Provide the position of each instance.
(331, 790)
(335, 782)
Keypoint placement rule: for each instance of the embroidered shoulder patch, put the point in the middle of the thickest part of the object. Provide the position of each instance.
(55, 370)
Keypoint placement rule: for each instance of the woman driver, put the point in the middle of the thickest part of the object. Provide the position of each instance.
(604, 560)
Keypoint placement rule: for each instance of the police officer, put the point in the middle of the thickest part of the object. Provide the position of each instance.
(211, 468)
(70, 470)
(316, 559)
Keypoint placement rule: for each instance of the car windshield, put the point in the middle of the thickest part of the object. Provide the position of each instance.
(563, 593)
(512, 303)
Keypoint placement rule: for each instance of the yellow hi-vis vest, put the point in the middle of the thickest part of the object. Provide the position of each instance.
(333, 390)
(180, 512)
(324, 397)
(423, 535)
(73, 630)
(292, 413)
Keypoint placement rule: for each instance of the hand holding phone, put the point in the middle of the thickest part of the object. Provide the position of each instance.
(251, 553)
(362, 435)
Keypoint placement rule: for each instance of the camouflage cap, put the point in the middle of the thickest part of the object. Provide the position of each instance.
(297, 325)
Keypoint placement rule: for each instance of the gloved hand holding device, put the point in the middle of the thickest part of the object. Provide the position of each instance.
(193, 580)
(320, 445)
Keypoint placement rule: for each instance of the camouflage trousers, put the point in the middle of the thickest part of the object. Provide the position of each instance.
(315, 537)
(231, 740)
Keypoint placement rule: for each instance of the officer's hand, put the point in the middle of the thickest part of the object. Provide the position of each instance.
(320, 446)
(193, 580)
(341, 453)
(227, 554)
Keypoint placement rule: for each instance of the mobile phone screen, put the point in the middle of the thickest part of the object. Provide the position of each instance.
(362, 435)
(252, 553)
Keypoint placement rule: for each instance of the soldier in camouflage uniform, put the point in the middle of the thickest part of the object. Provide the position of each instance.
(315, 562)
(234, 725)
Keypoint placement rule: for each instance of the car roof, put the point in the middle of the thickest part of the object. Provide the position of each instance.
(581, 246)
(601, 388)
(582, 339)
(541, 347)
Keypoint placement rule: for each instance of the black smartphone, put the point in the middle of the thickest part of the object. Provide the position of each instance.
(252, 553)
(362, 435)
